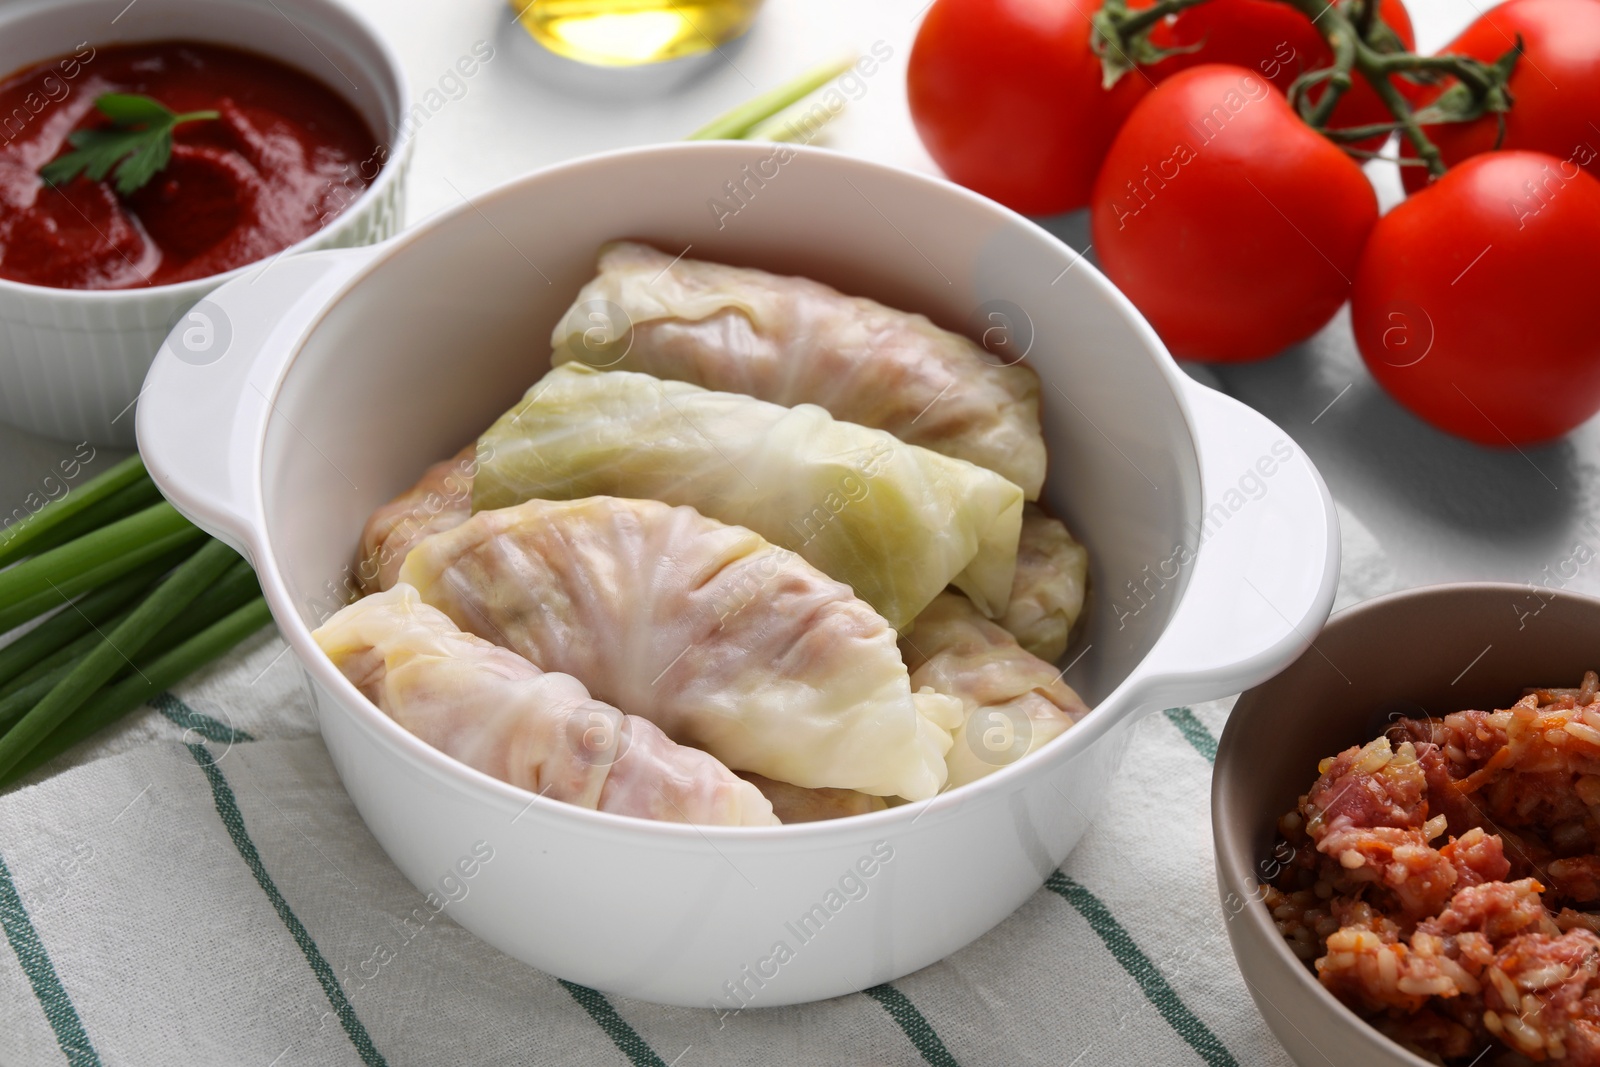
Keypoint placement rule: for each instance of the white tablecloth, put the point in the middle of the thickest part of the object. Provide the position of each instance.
(196, 886)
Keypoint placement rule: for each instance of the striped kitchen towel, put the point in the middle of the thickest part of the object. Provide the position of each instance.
(197, 888)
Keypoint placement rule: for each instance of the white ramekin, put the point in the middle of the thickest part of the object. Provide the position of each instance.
(72, 361)
(1213, 542)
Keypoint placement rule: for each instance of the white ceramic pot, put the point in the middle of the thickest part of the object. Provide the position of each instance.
(72, 361)
(349, 372)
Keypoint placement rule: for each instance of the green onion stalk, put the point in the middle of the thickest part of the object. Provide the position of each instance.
(125, 598)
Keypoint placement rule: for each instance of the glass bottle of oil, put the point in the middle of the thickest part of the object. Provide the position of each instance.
(618, 33)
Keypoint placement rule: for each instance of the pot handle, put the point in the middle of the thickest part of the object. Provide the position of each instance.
(1267, 565)
(206, 401)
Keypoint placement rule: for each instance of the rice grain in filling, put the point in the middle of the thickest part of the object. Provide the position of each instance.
(1444, 881)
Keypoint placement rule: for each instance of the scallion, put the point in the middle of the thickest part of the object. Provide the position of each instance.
(175, 593)
(736, 124)
(119, 505)
(232, 591)
(112, 703)
(15, 539)
(40, 583)
(81, 617)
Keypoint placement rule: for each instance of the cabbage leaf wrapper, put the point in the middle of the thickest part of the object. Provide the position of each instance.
(496, 712)
(895, 522)
(442, 498)
(796, 341)
(1014, 703)
(1048, 590)
(723, 640)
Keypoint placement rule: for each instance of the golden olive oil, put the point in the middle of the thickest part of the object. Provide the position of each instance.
(622, 33)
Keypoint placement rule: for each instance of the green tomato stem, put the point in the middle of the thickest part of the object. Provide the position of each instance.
(1465, 69)
(1345, 42)
(1360, 42)
(1338, 31)
(1132, 23)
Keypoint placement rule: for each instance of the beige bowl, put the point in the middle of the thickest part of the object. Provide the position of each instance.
(1427, 651)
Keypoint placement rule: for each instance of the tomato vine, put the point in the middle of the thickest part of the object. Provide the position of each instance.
(1362, 44)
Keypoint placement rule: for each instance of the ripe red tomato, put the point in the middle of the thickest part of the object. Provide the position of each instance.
(1274, 39)
(1007, 97)
(1556, 85)
(1473, 303)
(1230, 223)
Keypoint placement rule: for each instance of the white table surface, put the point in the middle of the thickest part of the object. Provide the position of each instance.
(1418, 506)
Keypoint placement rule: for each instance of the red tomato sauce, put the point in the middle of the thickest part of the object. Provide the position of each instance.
(286, 156)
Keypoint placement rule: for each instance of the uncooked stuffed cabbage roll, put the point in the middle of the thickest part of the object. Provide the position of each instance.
(1013, 702)
(721, 639)
(441, 499)
(1047, 592)
(794, 803)
(894, 521)
(796, 341)
(494, 711)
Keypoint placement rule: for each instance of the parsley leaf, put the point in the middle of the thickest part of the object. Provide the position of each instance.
(136, 146)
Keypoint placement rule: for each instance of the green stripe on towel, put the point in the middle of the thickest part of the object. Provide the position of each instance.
(182, 715)
(1194, 731)
(625, 1037)
(228, 811)
(1139, 967)
(917, 1028)
(35, 961)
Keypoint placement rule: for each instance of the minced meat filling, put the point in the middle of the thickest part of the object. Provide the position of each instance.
(1445, 881)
